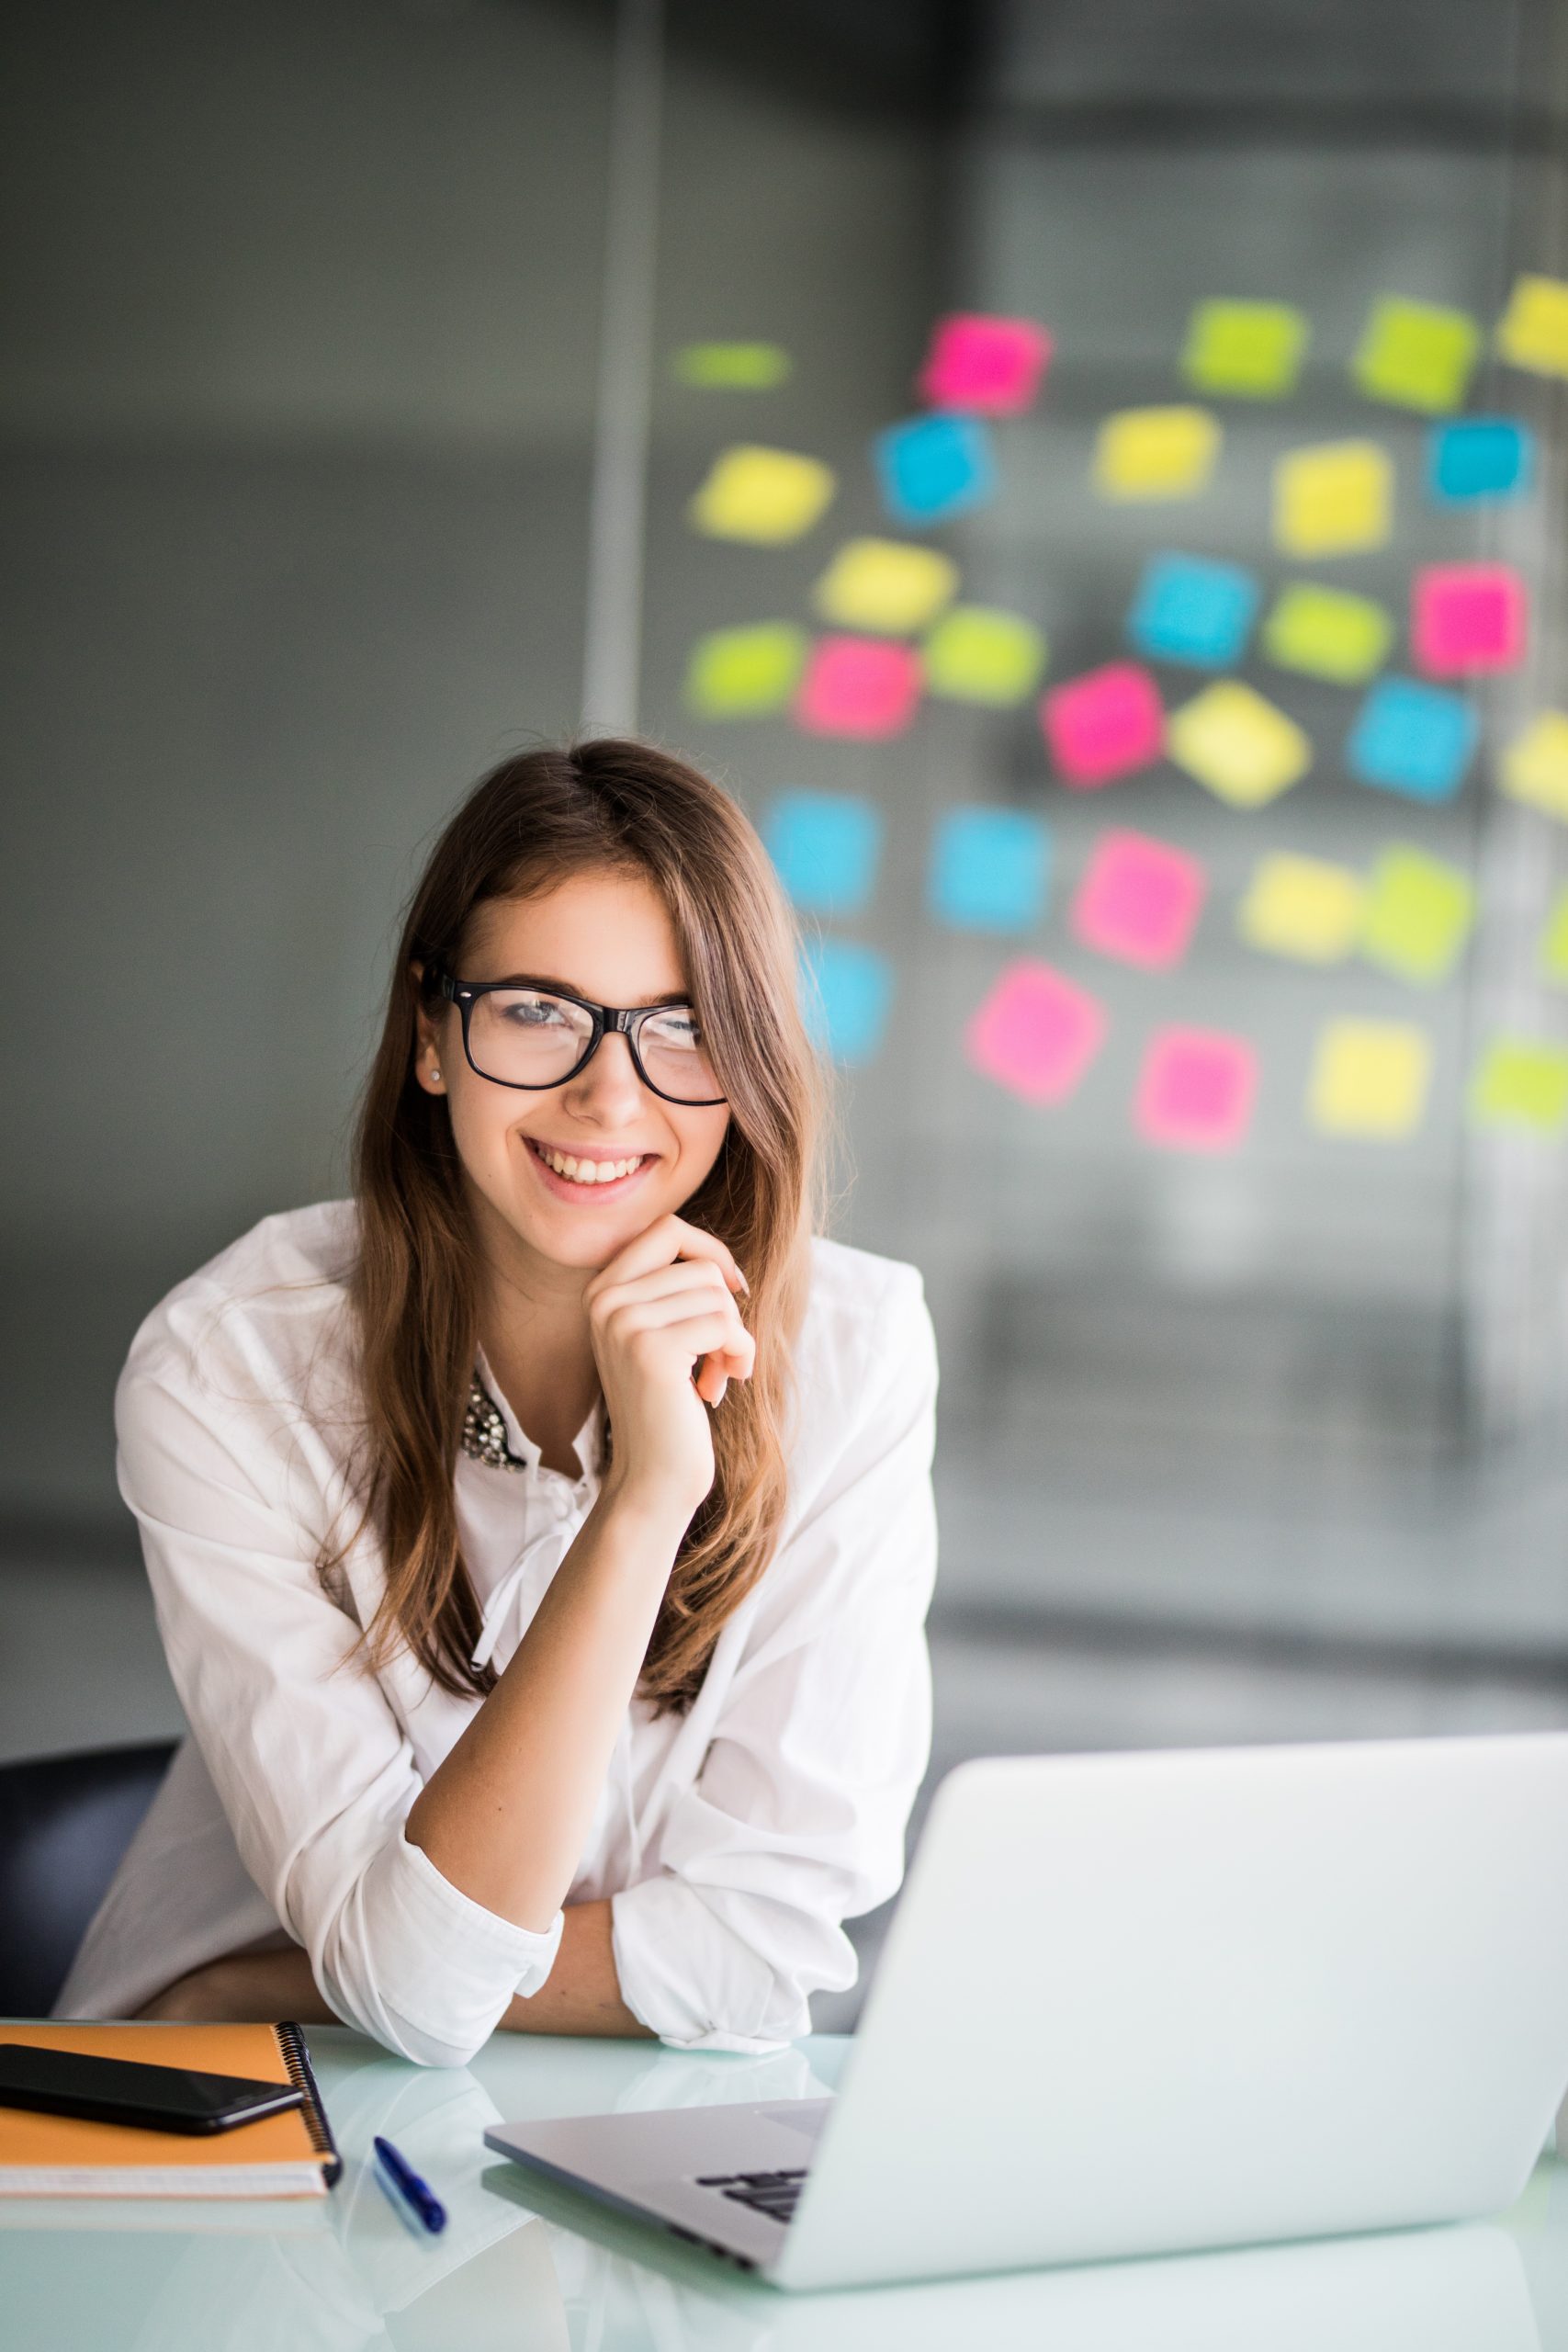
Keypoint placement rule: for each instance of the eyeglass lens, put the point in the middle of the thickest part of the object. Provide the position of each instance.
(525, 1039)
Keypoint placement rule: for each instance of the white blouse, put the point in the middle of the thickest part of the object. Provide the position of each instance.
(732, 1840)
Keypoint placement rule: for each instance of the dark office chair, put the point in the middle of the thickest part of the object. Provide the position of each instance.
(65, 1823)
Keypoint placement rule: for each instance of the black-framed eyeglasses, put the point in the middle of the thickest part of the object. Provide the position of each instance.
(532, 1038)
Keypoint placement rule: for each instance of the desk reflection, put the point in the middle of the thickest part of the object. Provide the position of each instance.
(531, 2268)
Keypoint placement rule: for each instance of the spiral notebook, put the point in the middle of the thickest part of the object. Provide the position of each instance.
(291, 2154)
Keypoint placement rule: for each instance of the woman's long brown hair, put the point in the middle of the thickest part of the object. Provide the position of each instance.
(534, 821)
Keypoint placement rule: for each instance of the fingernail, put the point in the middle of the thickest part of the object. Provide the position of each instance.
(742, 1281)
(719, 1398)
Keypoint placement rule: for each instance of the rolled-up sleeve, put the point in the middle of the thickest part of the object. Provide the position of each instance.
(313, 1770)
(797, 1820)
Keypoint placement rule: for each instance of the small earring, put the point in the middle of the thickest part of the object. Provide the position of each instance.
(436, 1078)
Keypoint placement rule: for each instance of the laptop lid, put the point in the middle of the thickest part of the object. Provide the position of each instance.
(1137, 2003)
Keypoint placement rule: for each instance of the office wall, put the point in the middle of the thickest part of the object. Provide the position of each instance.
(299, 440)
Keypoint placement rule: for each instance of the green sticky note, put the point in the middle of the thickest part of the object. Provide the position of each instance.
(733, 366)
(1520, 1082)
(1416, 355)
(1325, 633)
(979, 653)
(1417, 915)
(745, 672)
(1553, 956)
(1252, 349)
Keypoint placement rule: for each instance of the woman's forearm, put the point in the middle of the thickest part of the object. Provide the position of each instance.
(583, 1991)
(506, 1814)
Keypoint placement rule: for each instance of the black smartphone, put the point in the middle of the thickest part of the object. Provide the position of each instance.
(122, 2090)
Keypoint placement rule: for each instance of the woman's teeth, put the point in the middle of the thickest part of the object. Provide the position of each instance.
(589, 1172)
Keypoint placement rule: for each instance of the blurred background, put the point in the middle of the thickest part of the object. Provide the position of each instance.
(377, 373)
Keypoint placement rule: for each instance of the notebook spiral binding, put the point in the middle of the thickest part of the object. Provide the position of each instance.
(296, 2058)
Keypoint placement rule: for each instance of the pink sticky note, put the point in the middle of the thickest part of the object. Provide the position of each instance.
(1196, 1090)
(1036, 1033)
(1466, 618)
(991, 367)
(1103, 724)
(1138, 901)
(858, 686)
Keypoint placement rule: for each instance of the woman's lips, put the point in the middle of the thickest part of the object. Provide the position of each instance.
(567, 1189)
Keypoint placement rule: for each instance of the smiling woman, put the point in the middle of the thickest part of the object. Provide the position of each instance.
(542, 1539)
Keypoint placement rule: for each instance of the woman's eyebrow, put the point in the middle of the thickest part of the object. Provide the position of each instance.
(549, 980)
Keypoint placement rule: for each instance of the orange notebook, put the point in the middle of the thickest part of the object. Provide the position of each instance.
(290, 2155)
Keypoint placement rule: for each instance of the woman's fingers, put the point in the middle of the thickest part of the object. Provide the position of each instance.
(667, 1240)
(718, 1333)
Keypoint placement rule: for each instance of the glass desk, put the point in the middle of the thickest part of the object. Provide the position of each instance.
(530, 2267)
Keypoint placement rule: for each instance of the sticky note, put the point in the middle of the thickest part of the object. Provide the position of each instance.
(1196, 1090)
(766, 496)
(1534, 767)
(1302, 907)
(934, 467)
(733, 366)
(1244, 750)
(1533, 329)
(1104, 724)
(825, 847)
(1417, 915)
(1333, 498)
(1253, 350)
(990, 365)
(846, 991)
(1479, 457)
(885, 584)
(858, 687)
(1413, 739)
(745, 672)
(1036, 1033)
(1139, 900)
(1520, 1082)
(1327, 633)
(979, 653)
(988, 869)
(1417, 355)
(1466, 618)
(1190, 608)
(1552, 959)
(1370, 1079)
(1155, 453)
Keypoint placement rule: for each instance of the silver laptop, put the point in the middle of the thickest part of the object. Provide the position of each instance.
(1136, 2005)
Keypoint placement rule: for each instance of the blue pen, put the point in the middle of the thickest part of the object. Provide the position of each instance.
(397, 2174)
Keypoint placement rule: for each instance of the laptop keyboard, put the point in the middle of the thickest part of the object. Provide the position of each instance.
(773, 2193)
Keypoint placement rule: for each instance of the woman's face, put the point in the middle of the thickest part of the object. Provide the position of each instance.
(609, 938)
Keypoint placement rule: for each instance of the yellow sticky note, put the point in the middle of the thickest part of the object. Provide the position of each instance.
(1417, 355)
(744, 673)
(1521, 1082)
(768, 496)
(1418, 914)
(1302, 907)
(1369, 1078)
(1155, 453)
(1534, 768)
(1325, 633)
(1333, 498)
(1553, 956)
(977, 654)
(1244, 750)
(882, 584)
(1533, 329)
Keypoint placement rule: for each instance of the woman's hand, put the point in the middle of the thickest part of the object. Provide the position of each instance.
(245, 1988)
(663, 1303)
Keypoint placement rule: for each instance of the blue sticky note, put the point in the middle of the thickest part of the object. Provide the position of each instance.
(1413, 739)
(1480, 457)
(825, 845)
(933, 467)
(845, 992)
(1189, 608)
(988, 869)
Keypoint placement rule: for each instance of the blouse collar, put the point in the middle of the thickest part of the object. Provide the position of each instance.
(493, 1434)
